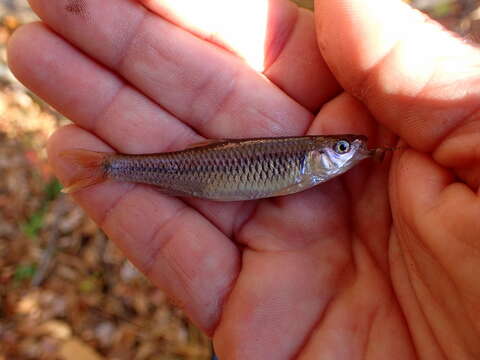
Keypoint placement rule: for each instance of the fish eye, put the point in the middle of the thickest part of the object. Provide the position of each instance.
(342, 147)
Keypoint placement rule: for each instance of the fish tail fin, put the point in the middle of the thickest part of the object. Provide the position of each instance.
(89, 168)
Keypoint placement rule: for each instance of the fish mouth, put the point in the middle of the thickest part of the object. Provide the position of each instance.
(378, 154)
(362, 150)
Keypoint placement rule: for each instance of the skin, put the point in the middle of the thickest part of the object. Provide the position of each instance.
(381, 263)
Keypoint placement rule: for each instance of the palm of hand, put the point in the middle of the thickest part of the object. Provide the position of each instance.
(365, 265)
(310, 267)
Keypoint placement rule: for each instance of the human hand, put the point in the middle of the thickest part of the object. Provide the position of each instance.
(380, 263)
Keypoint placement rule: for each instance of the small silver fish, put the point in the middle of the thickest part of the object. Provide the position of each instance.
(228, 170)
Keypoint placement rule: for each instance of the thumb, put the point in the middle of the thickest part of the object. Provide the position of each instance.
(416, 78)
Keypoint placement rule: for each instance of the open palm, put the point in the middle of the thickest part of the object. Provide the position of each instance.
(380, 263)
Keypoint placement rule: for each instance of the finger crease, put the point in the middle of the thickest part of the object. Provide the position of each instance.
(326, 307)
(103, 114)
(368, 333)
(363, 87)
(279, 41)
(104, 219)
(470, 117)
(219, 103)
(129, 41)
(157, 245)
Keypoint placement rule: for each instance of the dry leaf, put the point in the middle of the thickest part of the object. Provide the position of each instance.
(75, 349)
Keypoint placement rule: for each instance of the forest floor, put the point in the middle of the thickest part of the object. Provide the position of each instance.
(66, 292)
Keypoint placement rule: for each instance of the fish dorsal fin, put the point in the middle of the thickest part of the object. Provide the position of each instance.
(205, 143)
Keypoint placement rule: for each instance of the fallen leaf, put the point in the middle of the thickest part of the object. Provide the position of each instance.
(75, 349)
(56, 329)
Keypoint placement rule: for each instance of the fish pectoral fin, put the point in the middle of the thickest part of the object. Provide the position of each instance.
(205, 143)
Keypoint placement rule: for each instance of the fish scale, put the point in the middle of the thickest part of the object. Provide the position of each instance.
(229, 169)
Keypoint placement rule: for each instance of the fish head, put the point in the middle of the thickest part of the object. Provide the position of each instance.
(337, 154)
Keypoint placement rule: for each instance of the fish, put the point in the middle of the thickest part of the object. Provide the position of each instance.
(229, 169)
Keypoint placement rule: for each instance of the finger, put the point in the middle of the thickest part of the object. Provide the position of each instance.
(178, 249)
(273, 36)
(225, 23)
(197, 82)
(461, 152)
(367, 182)
(437, 229)
(402, 65)
(115, 112)
(90, 95)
